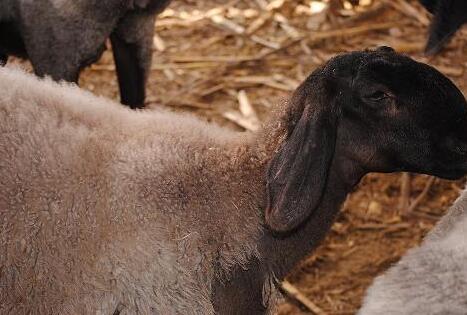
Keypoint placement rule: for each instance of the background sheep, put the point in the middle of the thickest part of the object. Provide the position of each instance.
(61, 37)
(449, 16)
(430, 279)
(166, 214)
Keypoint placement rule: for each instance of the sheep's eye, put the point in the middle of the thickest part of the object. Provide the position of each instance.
(377, 96)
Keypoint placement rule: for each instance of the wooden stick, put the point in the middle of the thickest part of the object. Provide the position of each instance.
(351, 31)
(240, 120)
(258, 23)
(422, 195)
(404, 200)
(246, 108)
(264, 42)
(295, 293)
(264, 80)
(424, 215)
(212, 58)
(313, 37)
(409, 10)
(375, 10)
(275, 4)
(158, 43)
(456, 72)
(263, 4)
(317, 36)
(228, 24)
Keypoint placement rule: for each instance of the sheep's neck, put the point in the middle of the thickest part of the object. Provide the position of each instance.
(283, 253)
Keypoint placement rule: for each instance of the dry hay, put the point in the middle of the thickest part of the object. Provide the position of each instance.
(228, 62)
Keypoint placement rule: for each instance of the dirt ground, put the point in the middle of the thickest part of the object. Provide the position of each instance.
(211, 53)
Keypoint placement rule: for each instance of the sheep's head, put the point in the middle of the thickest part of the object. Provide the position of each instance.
(377, 111)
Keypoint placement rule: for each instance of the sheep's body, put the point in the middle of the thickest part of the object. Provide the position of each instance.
(60, 37)
(118, 173)
(430, 279)
(105, 209)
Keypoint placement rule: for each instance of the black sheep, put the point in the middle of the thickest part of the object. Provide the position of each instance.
(61, 37)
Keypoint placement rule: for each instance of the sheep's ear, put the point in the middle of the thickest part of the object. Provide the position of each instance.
(298, 173)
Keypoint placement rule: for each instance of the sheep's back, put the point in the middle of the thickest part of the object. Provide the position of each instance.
(79, 176)
(430, 279)
(49, 193)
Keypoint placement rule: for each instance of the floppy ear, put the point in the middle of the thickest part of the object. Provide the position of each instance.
(297, 174)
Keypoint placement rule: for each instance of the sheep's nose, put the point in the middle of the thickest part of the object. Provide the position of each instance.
(462, 149)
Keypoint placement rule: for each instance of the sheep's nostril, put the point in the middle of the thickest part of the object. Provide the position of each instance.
(461, 149)
(455, 145)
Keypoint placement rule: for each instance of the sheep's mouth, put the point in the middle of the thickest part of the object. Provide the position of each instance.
(452, 176)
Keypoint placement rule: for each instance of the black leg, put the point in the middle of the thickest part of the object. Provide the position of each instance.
(132, 48)
(449, 17)
(131, 77)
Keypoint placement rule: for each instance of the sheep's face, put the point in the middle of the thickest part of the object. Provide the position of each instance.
(371, 111)
(398, 114)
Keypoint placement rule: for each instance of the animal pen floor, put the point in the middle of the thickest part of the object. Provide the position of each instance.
(212, 55)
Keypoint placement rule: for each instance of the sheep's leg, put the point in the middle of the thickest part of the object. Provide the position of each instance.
(449, 17)
(131, 79)
(132, 49)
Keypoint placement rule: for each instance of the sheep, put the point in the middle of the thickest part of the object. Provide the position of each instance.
(430, 279)
(449, 16)
(61, 37)
(107, 210)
